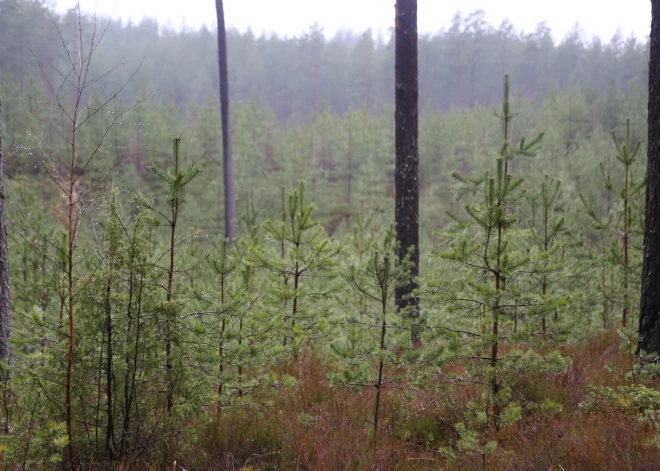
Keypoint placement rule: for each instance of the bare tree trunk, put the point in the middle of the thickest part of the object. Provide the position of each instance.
(109, 372)
(649, 314)
(227, 150)
(381, 363)
(626, 236)
(71, 226)
(407, 153)
(169, 366)
(5, 305)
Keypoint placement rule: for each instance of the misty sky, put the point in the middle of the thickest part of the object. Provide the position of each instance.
(291, 17)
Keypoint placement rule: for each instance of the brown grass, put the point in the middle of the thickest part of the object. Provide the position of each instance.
(313, 427)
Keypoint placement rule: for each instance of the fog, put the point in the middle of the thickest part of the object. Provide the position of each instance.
(291, 17)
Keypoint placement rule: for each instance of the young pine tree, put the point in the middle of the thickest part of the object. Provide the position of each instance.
(369, 343)
(175, 181)
(621, 226)
(488, 264)
(302, 261)
(547, 224)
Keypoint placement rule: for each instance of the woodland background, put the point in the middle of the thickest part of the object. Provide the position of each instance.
(268, 374)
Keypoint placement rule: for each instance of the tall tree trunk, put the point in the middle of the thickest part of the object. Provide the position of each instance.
(406, 180)
(5, 305)
(227, 150)
(649, 313)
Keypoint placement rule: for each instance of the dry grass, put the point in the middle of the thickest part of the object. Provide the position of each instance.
(313, 427)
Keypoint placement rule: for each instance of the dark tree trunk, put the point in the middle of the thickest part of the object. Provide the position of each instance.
(649, 314)
(227, 151)
(407, 154)
(5, 306)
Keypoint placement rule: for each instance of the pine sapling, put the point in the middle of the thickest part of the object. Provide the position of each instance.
(375, 281)
(302, 252)
(620, 222)
(627, 155)
(175, 179)
(494, 261)
(223, 266)
(545, 233)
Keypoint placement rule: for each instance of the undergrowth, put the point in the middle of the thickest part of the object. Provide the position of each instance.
(593, 425)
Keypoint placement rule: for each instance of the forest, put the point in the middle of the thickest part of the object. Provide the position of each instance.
(377, 258)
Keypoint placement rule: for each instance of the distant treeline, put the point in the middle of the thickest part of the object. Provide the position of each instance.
(295, 76)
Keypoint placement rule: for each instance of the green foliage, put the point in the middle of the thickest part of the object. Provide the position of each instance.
(619, 223)
(371, 333)
(178, 330)
(245, 330)
(299, 258)
(636, 400)
(505, 274)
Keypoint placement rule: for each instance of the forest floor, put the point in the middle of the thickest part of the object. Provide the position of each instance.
(315, 427)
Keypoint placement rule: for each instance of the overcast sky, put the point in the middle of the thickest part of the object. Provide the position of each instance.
(291, 17)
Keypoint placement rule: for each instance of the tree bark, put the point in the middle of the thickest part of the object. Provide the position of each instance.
(5, 305)
(406, 180)
(649, 314)
(227, 148)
